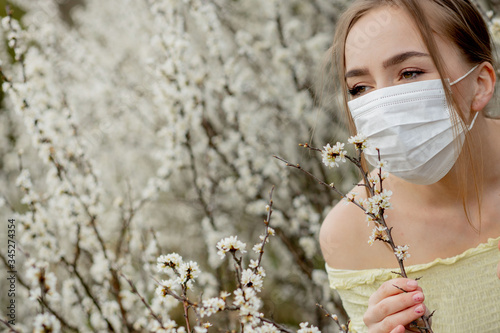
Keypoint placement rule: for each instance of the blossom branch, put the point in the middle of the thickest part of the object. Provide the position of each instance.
(44, 303)
(135, 291)
(9, 326)
(87, 289)
(278, 326)
(269, 209)
(376, 203)
(342, 328)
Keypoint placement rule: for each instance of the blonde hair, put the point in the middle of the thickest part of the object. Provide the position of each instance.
(458, 21)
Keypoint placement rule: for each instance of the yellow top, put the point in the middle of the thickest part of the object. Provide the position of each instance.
(464, 290)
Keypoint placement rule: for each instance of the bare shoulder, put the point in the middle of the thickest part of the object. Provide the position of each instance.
(344, 235)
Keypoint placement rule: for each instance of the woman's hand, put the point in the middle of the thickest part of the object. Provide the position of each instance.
(394, 305)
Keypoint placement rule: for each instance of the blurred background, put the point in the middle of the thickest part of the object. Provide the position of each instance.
(131, 129)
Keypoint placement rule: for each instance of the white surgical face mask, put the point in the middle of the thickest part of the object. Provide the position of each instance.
(412, 126)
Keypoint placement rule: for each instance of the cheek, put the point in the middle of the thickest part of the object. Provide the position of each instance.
(463, 96)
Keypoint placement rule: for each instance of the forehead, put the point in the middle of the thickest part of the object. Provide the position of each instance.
(379, 34)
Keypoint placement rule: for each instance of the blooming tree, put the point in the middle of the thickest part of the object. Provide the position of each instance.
(148, 127)
(136, 142)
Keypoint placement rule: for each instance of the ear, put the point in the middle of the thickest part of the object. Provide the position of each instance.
(485, 86)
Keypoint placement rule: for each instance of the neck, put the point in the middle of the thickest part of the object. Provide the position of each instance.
(485, 137)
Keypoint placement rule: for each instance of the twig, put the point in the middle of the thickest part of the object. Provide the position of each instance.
(176, 296)
(9, 326)
(342, 328)
(87, 291)
(278, 326)
(266, 222)
(405, 291)
(135, 291)
(238, 268)
(186, 315)
(204, 204)
(53, 312)
(330, 186)
(378, 217)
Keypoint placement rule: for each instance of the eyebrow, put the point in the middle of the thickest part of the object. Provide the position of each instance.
(397, 59)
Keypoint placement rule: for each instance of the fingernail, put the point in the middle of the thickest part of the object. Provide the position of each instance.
(412, 284)
(419, 309)
(418, 297)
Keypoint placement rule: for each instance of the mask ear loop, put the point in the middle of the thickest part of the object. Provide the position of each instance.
(473, 121)
(460, 79)
(464, 76)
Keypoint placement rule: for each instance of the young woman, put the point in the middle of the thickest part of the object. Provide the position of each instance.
(417, 76)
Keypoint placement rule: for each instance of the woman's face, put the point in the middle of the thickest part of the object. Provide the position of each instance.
(384, 48)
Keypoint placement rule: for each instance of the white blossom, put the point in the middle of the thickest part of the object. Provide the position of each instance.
(249, 304)
(212, 306)
(100, 267)
(46, 323)
(333, 155)
(305, 328)
(164, 287)
(376, 203)
(309, 245)
(253, 263)
(382, 164)
(495, 29)
(378, 233)
(401, 252)
(230, 244)
(267, 328)
(359, 141)
(169, 261)
(23, 180)
(200, 329)
(257, 248)
(252, 280)
(188, 272)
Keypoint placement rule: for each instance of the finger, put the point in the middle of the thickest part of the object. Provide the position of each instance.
(392, 305)
(401, 318)
(399, 329)
(393, 287)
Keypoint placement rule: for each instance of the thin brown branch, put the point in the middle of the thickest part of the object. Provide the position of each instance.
(238, 268)
(278, 326)
(320, 181)
(266, 222)
(204, 204)
(378, 218)
(342, 328)
(186, 315)
(299, 256)
(135, 291)
(74, 269)
(9, 326)
(63, 322)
